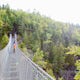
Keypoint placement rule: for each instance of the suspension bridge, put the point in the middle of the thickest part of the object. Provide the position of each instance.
(17, 66)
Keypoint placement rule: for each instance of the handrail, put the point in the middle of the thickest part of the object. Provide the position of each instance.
(36, 66)
(25, 63)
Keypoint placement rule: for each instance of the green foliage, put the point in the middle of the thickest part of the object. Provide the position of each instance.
(4, 41)
(61, 78)
(77, 76)
(74, 50)
(49, 39)
(58, 59)
(78, 64)
(26, 41)
(50, 71)
(22, 45)
(42, 64)
(38, 56)
(1, 23)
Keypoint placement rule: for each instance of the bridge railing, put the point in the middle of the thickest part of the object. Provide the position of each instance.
(4, 55)
(33, 71)
(28, 70)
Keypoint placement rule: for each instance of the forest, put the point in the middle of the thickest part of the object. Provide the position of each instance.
(53, 45)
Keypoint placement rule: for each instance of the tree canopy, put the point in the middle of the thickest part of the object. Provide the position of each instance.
(56, 45)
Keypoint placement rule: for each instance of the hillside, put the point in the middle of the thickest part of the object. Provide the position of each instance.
(55, 45)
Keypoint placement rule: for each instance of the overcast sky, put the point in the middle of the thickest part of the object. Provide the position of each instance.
(59, 10)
